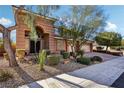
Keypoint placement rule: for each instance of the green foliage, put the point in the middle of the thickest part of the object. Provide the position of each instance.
(96, 58)
(42, 58)
(122, 42)
(29, 19)
(65, 55)
(80, 53)
(5, 75)
(85, 21)
(84, 60)
(53, 59)
(62, 51)
(109, 39)
(47, 52)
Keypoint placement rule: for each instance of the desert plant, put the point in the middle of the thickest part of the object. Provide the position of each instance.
(84, 60)
(20, 53)
(65, 55)
(5, 75)
(48, 52)
(96, 58)
(6, 56)
(42, 58)
(72, 54)
(80, 53)
(53, 59)
(62, 51)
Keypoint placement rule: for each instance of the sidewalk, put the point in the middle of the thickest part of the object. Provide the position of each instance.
(64, 81)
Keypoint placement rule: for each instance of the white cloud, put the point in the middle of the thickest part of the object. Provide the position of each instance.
(5, 21)
(111, 27)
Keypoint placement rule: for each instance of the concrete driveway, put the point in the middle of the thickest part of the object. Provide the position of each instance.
(104, 56)
(105, 73)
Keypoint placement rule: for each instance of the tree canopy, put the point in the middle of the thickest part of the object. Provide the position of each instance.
(108, 39)
(82, 24)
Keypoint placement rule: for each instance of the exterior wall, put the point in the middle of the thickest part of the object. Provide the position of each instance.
(48, 42)
(41, 22)
(60, 45)
(87, 47)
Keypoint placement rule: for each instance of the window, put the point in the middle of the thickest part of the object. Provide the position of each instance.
(26, 34)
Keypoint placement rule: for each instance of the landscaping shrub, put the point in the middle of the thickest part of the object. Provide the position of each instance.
(96, 58)
(53, 59)
(6, 56)
(47, 52)
(72, 54)
(65, 55)
(20, 53)
(5, 75)
(80, 53)
(84, 60)
(42, 58)
(62, 51)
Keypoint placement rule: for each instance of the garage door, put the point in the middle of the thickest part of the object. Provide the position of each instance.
(86, 48)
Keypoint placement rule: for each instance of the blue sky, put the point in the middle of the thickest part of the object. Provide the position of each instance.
(115, 21)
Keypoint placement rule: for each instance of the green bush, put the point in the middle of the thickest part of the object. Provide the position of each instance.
(65, 55)
(72, 54)
(53, 59)
(47, 52)
(84, 60)
(62, 51)
(96, 58)
(80, 53)
(5, 75)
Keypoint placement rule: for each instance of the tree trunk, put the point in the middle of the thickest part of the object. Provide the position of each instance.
(8, 48)
(77, 47)
(72, 48)
(66, 45)
(107, 48)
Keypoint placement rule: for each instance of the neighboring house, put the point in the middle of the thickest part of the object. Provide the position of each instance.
(46, 36)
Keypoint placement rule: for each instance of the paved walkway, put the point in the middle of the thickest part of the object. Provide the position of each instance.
(105, 73)
(104, 56)
(100, 75)
(64, 81)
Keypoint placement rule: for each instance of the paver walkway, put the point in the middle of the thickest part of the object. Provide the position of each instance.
(100, 75)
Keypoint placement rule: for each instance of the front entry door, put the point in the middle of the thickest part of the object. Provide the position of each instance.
(34, 47)
(37, 46)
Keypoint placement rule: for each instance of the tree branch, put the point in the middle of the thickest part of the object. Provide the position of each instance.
(12, 28)
(2, 28)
